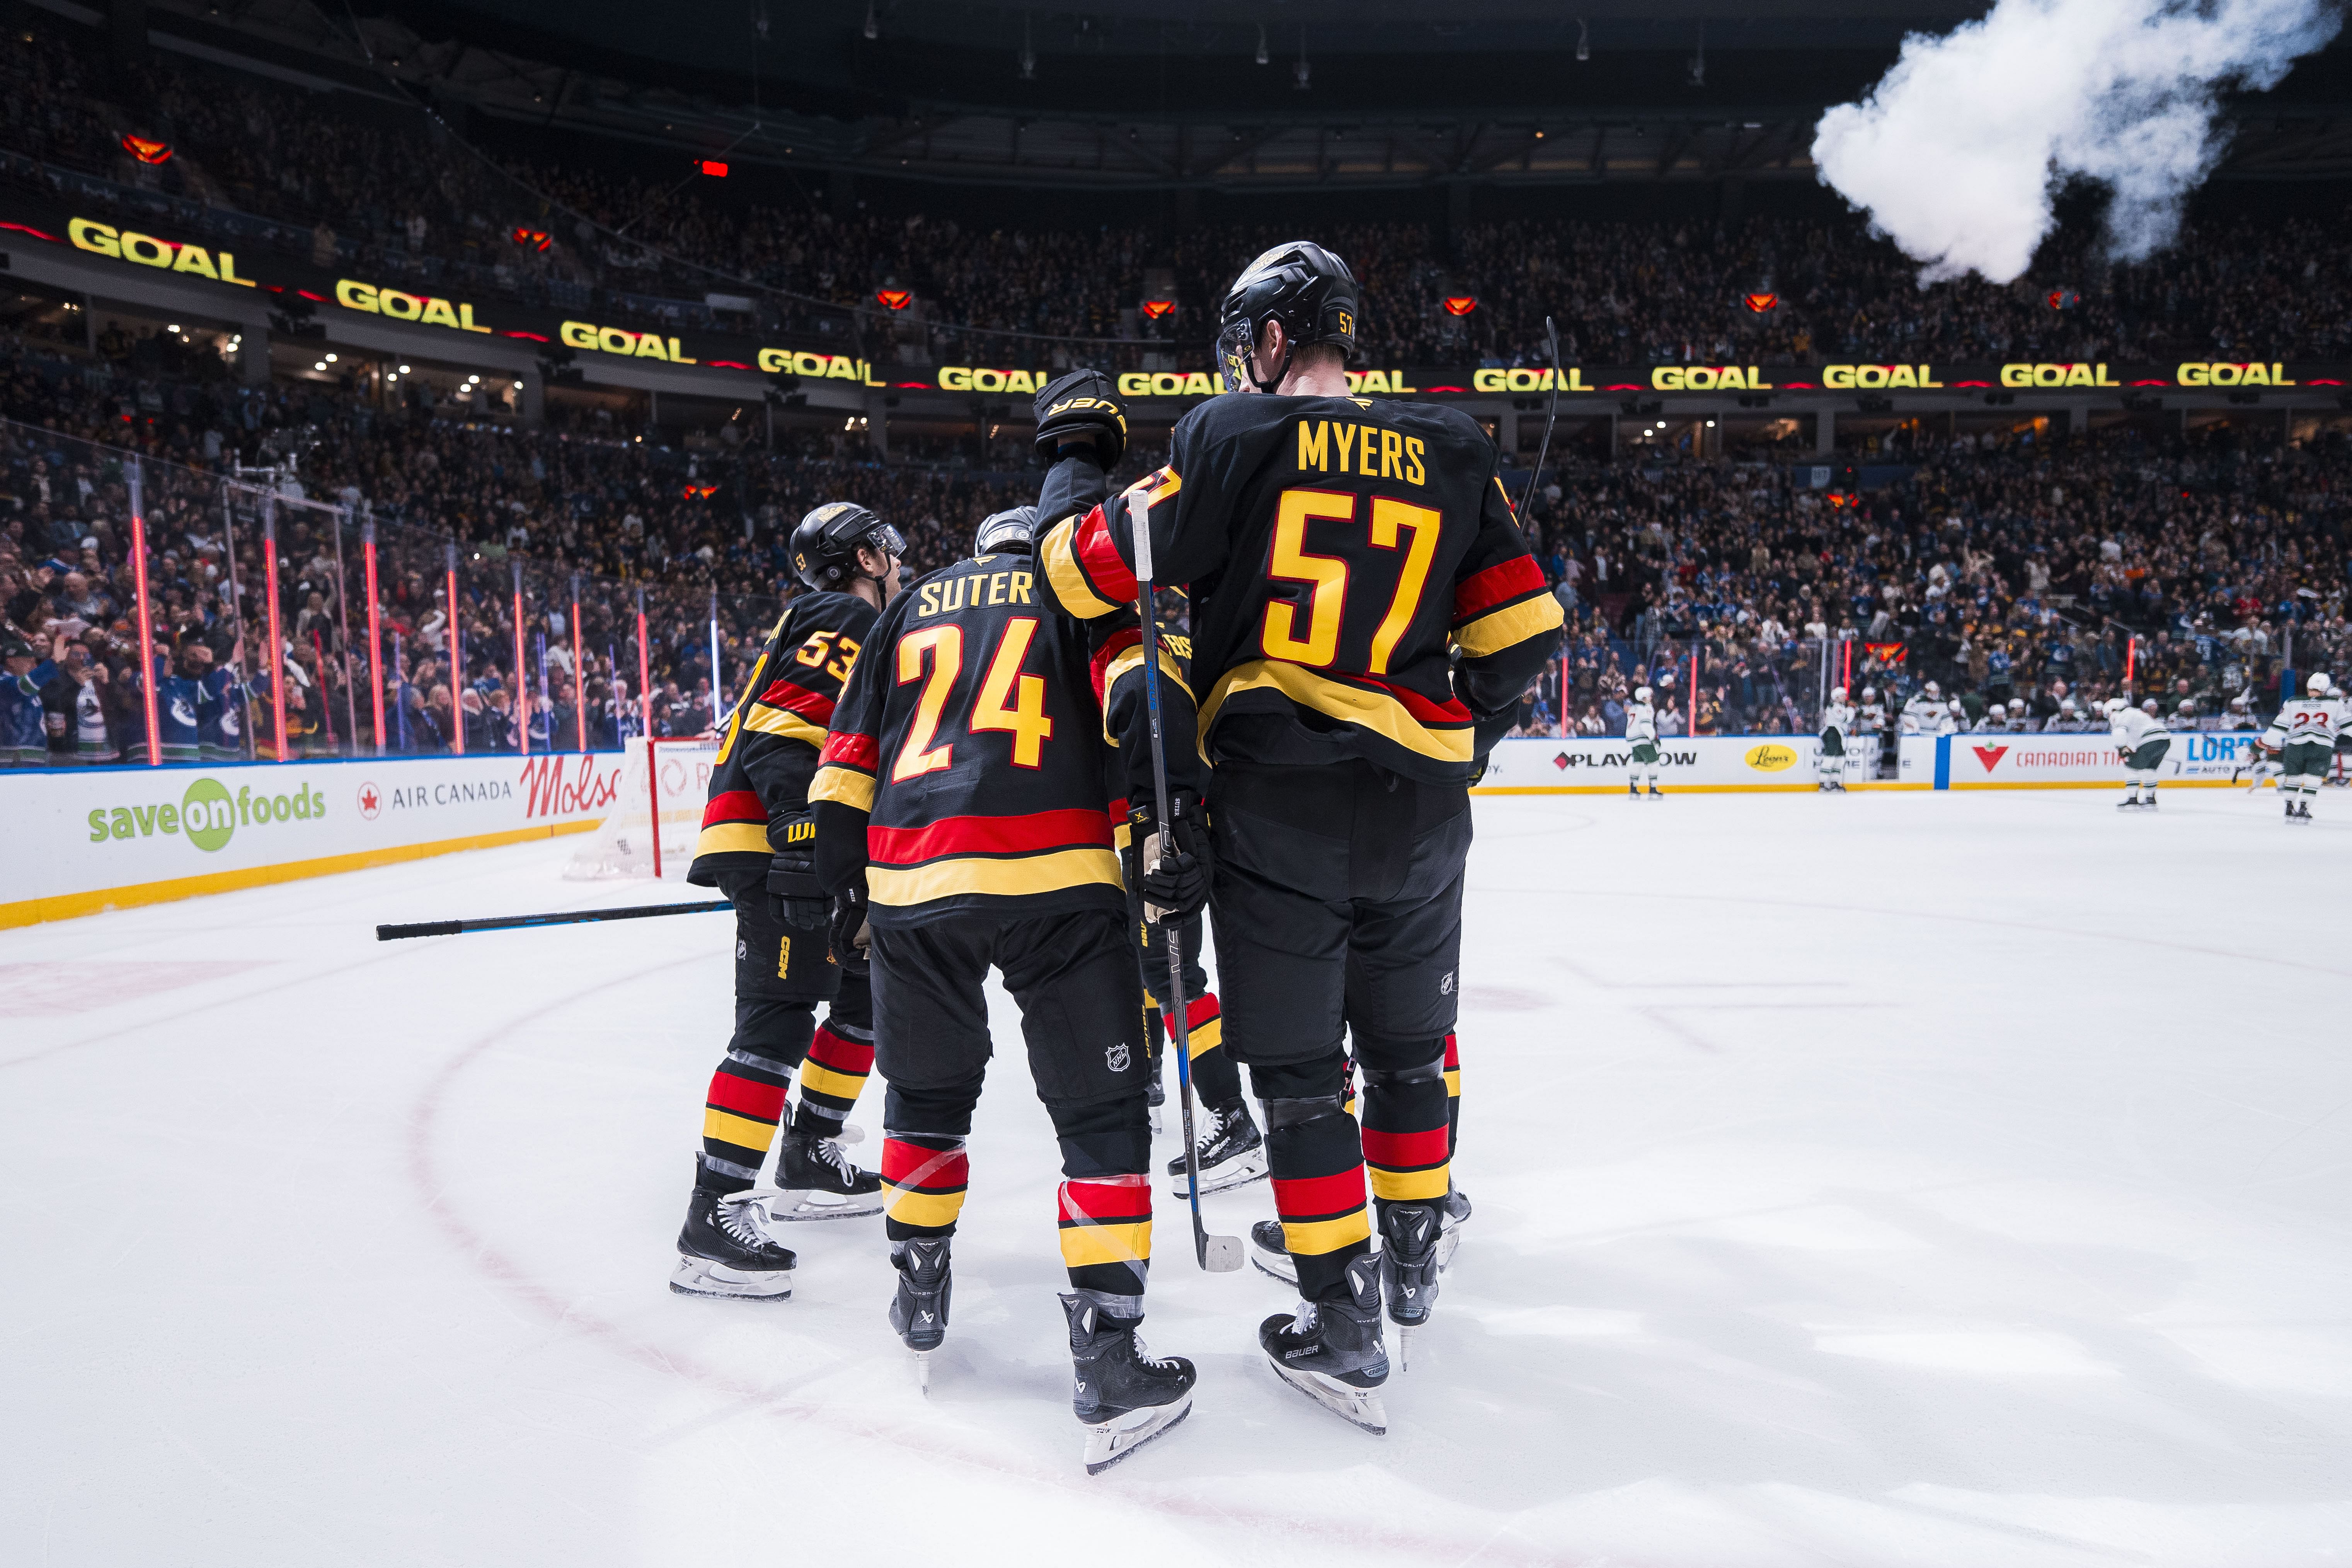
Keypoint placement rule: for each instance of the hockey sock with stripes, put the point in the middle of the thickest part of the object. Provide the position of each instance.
(746, 1098)
(1453, 1098)
(1217, 1079)
(926, 1175)
(1104, 1204)
(1315, 1153)
(1406, 1141)
(839, 1063)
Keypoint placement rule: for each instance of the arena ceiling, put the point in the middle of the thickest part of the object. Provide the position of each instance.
(1133, 94)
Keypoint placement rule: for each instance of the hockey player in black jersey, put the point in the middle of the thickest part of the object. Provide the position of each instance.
(757, 845)
(1338, 550)
(961, 822)
(1080, 434)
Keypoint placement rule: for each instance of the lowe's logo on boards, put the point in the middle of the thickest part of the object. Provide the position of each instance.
(1566, 759)
(207, 814)
(563, 786)
(1770, 759)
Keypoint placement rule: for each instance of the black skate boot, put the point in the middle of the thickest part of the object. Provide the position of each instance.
(1331, 1351)
(818, 1181)
(1230, 1151)
(1452, 1215)
(1658, 793)
(1409, 1238)
(723, 1253)
(919, 1311)
(1124, 1393)
(1270, 1250)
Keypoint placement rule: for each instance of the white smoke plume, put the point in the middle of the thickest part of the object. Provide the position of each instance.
(1957, 152)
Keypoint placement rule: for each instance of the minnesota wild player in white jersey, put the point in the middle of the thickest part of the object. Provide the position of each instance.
(2142, 740)
(1642, 735)
(2303, 736)
(1925, 714)
(1837, 723)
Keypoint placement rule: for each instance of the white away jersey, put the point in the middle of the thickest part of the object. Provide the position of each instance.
(1641, 722)
(1924, 715)
(2134, 728)
(1838, 716)
(2307, 719)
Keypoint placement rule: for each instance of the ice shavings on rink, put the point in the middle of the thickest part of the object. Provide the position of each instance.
(1912, 1179)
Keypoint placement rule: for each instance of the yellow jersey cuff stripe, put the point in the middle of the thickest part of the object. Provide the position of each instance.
(1511, 625)
(777, 722)
(1207, 1038)
(844, 786)
(1047, 873)
(1068, 579)
(733, 838)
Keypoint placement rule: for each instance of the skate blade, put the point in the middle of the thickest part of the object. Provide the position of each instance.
(922, 1371)
(792, 1205)
(1275, 1266)
(701, 1277)
(1449, 1242)
(1156, 1128)
(1359, 1407)
(1109, 1442)
(1404, 1348)
(1240, 1172)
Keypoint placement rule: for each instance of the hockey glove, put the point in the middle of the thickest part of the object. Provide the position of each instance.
(794, 895)
(849, 932)
(1478, 768)
(1175, 884)
(1079, 407)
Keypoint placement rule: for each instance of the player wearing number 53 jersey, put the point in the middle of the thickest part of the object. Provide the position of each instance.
(1365, 616)
(962, 799)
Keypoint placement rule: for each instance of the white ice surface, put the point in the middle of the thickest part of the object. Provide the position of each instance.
(1900, 1179)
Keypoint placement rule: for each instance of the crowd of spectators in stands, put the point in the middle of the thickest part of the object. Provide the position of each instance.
(379, 185)
(2001, 568)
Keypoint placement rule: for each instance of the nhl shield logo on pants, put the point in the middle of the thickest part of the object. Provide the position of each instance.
(1116, 1057)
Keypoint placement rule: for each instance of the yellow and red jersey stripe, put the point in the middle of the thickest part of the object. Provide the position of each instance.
(1006, 856)
(1442, 731)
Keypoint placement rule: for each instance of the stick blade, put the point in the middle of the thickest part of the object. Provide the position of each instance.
(1220, 1254)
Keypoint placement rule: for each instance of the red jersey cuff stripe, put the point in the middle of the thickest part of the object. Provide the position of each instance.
(1505, 580)
(1075, 827)
(852, 750)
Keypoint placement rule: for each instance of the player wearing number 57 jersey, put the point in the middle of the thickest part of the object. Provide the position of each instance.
(1338, 552)
(962, 804)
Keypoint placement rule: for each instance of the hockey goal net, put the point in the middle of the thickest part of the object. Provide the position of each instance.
(656, 814)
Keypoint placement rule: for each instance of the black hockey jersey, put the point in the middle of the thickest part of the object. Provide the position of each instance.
(1338, 551)
(768, 752)
(966, 765)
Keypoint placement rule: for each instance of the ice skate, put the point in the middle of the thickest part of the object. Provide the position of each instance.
(1271, 1252)
(1409, 1268)
(1658, 793)
(1230, 1151)
(723, 1253)
(1634, 790)
(1331, 1351)
(1123, 1395)
(815, 1180)
(2130, 803)
(1155, 1094)
(919, 1311)
(1452, 1215)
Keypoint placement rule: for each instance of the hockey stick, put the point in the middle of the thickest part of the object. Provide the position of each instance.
(1550, 419)
(561, 918)
(1215, 1254)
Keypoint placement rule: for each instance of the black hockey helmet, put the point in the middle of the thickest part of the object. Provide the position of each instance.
(824, 545)
(1010, 533)
(1299, 283)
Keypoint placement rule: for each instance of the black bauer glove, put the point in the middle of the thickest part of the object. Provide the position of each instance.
(794, 895)
(849, 933)
(1079, 407)
(1175, 885)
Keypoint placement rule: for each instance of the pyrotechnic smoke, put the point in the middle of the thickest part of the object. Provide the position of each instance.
(1957, 150)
